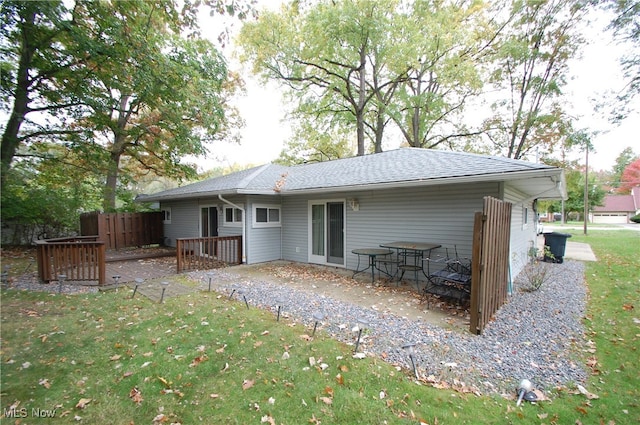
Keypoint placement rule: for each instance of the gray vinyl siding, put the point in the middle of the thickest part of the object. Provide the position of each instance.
(184, 221)
(295, 227)
(442, 215)
(263, 243)
(437, 214)
(523, 236)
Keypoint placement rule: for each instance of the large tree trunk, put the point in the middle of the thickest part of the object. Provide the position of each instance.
(10, 141)
(361, 103)
(111, 182)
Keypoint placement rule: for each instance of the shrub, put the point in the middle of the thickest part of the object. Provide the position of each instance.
(636, 218)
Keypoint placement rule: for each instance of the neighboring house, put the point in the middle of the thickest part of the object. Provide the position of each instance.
(618, 208)
(318, 213)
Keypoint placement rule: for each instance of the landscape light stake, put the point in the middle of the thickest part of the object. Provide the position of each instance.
(319, 316)
(61, 278)
(279, 303)
(410, 348)
(362, 323)
(116, 278)
(210, 275)
(164, 287)
(244, 298)
(5, 277)
(524, 387)
(240, 292)
(139, 281)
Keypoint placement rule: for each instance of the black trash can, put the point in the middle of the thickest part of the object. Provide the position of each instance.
(555, 244)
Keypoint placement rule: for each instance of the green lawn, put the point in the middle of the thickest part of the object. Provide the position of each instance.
(107, 358)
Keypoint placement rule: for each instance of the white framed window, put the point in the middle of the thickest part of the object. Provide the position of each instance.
(266, 216)
(232, 216)
(166, 215)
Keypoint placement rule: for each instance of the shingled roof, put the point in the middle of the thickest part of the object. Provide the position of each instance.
(621, 203)
(395, 168)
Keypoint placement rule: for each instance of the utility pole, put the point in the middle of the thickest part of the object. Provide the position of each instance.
(586, 189)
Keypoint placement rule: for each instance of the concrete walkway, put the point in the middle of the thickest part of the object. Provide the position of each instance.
(573, 250)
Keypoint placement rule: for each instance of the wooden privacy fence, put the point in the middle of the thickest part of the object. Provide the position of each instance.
(121, 230)
(208, 252)
(490, 261)
(79, 259)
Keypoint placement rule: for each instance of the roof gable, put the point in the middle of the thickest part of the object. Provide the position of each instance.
(617, 203)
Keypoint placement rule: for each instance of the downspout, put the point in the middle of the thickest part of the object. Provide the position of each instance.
(244, 220)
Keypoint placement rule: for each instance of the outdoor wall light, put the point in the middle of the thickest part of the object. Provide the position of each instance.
(354, 204)
(279, 304)
(139, 282)
(210, 275)
(319, 317)
(410, 349)
(164, 285)
(61, 279)
(362, 324)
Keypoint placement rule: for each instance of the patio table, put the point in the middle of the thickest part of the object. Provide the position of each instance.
(372, 253)
(415, 250)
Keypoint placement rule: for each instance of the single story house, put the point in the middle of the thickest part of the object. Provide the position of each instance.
(617, 208)
(318, 213)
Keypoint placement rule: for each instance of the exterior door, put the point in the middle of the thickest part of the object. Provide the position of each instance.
(208, 227)
(326, 232)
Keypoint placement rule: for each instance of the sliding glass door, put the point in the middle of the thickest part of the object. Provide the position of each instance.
(326, 232)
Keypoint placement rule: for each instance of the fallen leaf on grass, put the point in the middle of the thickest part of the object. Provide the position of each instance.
(115, 357)
(45, 383)
(586, 393)
(247, 383)
(136, 396)
(268, 419)
(166, 383)
(627, 307)
(198, 360)
(160, 419)
(314, 420)
(326, 400)
(82, 403)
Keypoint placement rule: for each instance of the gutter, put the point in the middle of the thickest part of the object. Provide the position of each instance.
(244, 224)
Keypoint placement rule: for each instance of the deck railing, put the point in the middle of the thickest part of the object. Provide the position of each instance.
(78, 259)
(208, 252)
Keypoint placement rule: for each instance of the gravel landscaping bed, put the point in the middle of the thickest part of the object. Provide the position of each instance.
(537, 335)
